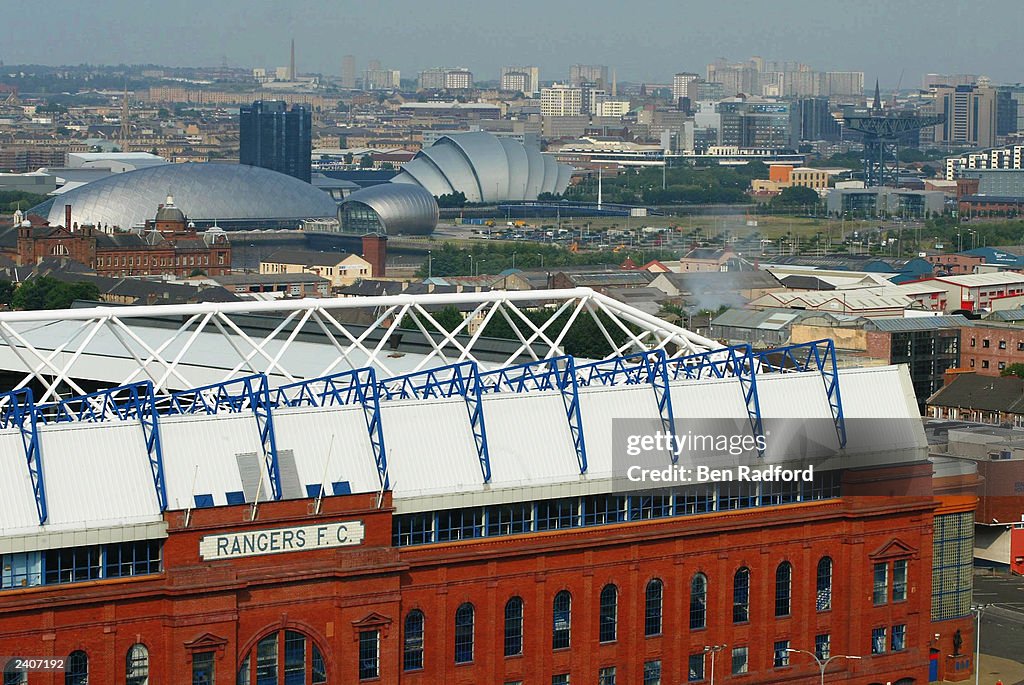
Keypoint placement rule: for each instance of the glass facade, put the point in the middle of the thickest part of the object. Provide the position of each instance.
(952, 565)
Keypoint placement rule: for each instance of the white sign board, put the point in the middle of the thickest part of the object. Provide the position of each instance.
(253, 543)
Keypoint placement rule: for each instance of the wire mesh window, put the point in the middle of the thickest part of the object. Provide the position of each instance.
(136, 667)
(412, 644)
(741, 595)
(899, 580)
(823, 585)
(952, 565)
(652, 607)
(698, 601)
(369, 654)
(514, 627)
(783, 589)
(77, 669)
(464, 619)
(609, 613)
(880, 591)
(562, 616)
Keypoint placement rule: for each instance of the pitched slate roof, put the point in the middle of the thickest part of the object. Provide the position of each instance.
(988, 393)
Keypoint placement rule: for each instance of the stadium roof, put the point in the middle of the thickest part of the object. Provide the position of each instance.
(203, 191)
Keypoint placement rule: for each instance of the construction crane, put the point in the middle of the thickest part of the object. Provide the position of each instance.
(882, 134)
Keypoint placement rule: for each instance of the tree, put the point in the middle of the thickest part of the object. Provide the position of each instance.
(6, 293)
(45, 292)
(366, 161)
(349, 157)
(796, 196)
(1013, 370)
(456, 199)
(449, 318)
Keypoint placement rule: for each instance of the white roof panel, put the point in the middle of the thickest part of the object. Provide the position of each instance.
(529, 439)
(17, 504)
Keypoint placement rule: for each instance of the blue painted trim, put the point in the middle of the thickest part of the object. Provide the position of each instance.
(338, 390)
(250, 393)
(19, 411)
(462, 378)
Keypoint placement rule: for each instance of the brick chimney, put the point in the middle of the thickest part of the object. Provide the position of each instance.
(375, 251)
(67, 217)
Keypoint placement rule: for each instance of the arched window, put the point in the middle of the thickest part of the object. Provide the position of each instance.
(699, 601)
(284, 656)
(514, 627)
(464, 634)
(562, 614)
(741, 596)
(76, 670)
(412, 647)
(14, 675)
(609, 617)
(652, 607)
(823, 601)
(136, 667)
(783, 588)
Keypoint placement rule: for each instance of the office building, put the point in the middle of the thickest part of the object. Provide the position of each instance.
(271, 136)
(1008, 106)
(561, 100)
(970, 115)
(930, 81)
(816, 120)
(758, 123)
(532, 78)
(681, 86)
(348, 72)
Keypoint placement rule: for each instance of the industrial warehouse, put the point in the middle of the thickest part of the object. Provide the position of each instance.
(341, 491)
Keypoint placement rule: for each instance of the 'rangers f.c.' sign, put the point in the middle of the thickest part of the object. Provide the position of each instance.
(277, 540)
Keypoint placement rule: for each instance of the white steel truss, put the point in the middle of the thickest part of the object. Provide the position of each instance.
(165, 353)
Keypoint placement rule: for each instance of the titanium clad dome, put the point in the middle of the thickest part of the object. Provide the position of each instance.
(205, 192)
(395, 209)
(484, 168)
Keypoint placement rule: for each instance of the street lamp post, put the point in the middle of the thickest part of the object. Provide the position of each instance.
(977, 610)
(823, 663)
(713, 650)
(430, 264)
(541, 259)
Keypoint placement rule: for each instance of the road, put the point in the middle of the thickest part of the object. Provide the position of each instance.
(1002, 624)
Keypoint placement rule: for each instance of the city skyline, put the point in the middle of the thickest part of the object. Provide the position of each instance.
(876, 40)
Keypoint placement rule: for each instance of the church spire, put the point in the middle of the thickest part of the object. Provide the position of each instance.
(877, 105)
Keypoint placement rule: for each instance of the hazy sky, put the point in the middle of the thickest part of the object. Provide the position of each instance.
(643, 39)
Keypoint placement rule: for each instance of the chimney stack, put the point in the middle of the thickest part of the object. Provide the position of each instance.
(375, 251)
(67, 217)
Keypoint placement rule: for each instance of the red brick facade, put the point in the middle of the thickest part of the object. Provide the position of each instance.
(989, 350)
(225, 607)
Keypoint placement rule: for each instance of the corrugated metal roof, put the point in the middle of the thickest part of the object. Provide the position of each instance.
(919, 323)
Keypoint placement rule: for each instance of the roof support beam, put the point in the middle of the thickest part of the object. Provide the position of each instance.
(18, 410)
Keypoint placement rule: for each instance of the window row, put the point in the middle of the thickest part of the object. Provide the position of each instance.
(596, 510)
(77, 564)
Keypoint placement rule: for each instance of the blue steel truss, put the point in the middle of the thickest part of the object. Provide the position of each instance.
(462, 378)
(135, 401)
(250, 393)
(818, 355)
(726, 362)
(358, 386)
(635, 369)
(554, 373)
(18, 410)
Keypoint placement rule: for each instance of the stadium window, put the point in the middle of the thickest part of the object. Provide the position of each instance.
(698, 601)
(369, 655)
(695, 668)
(561, 634)
(136, 668)
(459, 524)
(741, 596)
(823, 646)
(203, 670)
(783, 589)
(557, 514)
(698, 500)
(878, 640)
(823, 587)
(603, 509)
(609, 613)
(781, 658)
(652, 672)
(412, 643)
(21, 569)
(72, 565)
(652, 607)
(880, 592)
(77, 669)
(899, 580)
(514, 627)
(643, 507)
(302, 661)
(510, 519)
(413, 529)
(899, 638)
(464, 619)
(132, 559)
(606, 676)
(740, 661)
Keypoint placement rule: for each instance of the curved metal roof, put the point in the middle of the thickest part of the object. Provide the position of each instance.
(203, 191)
(485, 168)
(403, 208)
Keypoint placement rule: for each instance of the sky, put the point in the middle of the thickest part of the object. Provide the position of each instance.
(644, 40)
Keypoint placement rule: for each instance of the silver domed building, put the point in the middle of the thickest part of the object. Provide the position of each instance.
(224, 194)
(485, 168)
(392, 209)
